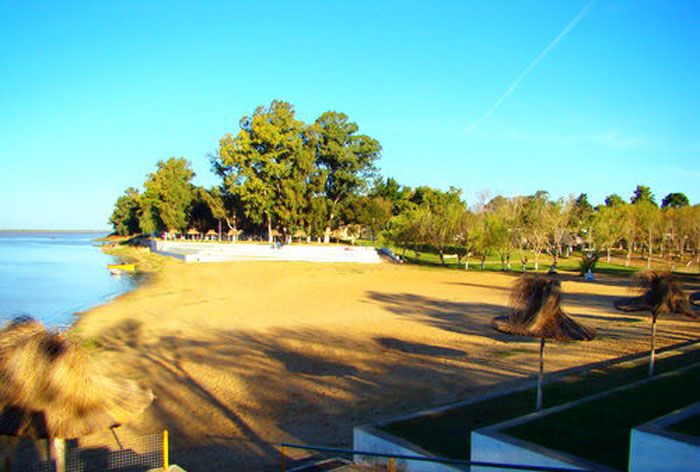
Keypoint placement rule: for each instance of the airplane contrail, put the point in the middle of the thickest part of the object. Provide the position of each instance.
(483, 118)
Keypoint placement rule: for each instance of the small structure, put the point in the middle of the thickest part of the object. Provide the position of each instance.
(211, 235)
(51, 388)
(193, 233)
(536, 313)
(233, 234)
(661, 292)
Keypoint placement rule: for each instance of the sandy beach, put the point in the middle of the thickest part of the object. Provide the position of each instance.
(245, 354)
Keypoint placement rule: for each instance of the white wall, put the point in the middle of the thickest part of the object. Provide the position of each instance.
(369, 440)
(650, 452)
(215, 252)
(490, 448)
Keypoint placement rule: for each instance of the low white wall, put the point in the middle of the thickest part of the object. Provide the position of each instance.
(214, 252)
(506, 450)
(371, 440)
(653, 447)
(652, 452)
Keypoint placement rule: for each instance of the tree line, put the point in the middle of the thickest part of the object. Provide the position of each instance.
(282, 176)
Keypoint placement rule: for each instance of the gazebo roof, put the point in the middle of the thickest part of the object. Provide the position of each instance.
(211, 232)
(536, 312)
(192, 231)
(52, 388)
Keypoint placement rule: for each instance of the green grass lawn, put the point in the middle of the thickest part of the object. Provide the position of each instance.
(689, 426)
(599, 430)
(493, 263)
(447, 434)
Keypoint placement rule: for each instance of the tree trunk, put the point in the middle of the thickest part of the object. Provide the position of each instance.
(652, 356)
(327, 234)
(540, 377)
(483, 262)
(219, 230)
(269, 229)
(607, 257)
(508, 262)
(628, 259)
(441, 253)
(466, 263)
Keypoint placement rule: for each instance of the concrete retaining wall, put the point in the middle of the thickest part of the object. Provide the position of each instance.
(502, 449)
(368, 439)
(654, 448)
(216, 252)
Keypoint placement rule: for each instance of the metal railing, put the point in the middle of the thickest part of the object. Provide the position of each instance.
(405, 457)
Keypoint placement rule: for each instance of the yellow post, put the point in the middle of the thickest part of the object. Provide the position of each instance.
(166, 453)
(391, 464)
(283, 463)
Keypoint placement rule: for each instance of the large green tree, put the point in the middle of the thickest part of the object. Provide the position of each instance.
(346, 160)
(168, 196)
(125, 217)
(614, 200)
(675, 200)
(642, 194)
(268, 166)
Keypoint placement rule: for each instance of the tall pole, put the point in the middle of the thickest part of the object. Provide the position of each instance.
(540, 377)
(652, 357)
(59, 445)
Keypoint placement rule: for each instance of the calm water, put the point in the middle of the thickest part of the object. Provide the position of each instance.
(52, 276)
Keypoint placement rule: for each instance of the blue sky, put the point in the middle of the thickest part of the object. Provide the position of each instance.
(93, 94)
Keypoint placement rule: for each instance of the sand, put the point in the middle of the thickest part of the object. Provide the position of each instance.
(242, 355)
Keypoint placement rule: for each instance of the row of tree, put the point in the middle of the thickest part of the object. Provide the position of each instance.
(279, 175)
(530, 226)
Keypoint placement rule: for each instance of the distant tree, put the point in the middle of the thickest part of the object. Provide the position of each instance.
(557, 223)
(125, 217)
(496, 223)
(391, 190)
(642, 194)
(468, 235)
(405, 230)
(168, 196)
(371, 212)
(606, 230)
(675, 200)
(346, 160)
(442, 224)
(581, 216)
(650, 225)
(614, 200)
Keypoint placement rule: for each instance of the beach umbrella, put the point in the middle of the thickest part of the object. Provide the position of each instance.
(51, 388)
(233, 233)
(536, 313)
(661, 292)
